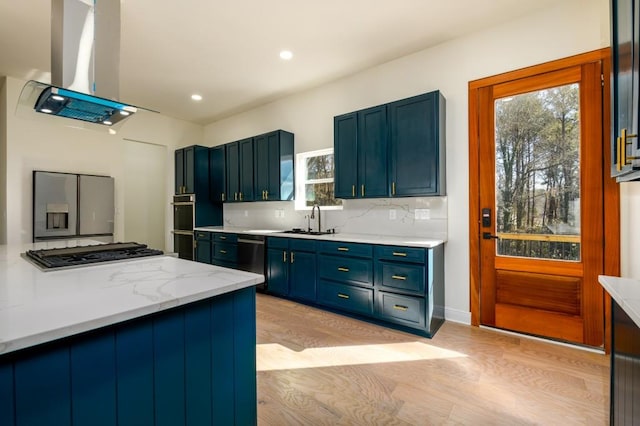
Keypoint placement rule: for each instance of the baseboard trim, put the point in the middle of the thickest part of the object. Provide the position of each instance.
(455, 315)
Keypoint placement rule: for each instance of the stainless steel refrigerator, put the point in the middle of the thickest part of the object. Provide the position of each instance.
(69, 205)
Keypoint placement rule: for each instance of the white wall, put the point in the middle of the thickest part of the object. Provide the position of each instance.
(47, 143)
(3, 163)
(570, 27)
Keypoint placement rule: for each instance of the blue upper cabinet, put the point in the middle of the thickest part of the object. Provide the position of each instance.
(417, 146)
(625, 43)
(273, 166)
(217, 174)
(192, 171)
(232, 163)
(392, 150)
(345, 139)
(372, 152)
(246, 170)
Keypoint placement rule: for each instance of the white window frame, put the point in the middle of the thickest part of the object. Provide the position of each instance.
(301, 181)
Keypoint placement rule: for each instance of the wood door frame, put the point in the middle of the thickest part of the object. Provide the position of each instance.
(611, 191)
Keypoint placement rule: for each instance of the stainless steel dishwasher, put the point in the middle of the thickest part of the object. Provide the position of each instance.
(251, 255)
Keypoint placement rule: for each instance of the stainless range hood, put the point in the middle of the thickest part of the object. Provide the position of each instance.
(85, 63)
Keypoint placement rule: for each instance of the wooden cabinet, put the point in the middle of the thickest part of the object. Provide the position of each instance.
(291, 268)
(273, 165)
(417, 146)
(625, 23)
(625, 368)
(217, 174)
(202, 247)
(392, 150)
(192, 171)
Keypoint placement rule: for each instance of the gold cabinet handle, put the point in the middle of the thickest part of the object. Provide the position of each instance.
(401, 308)
(223, 196)
(399, 277)
(284, 256)
(400, 254)
(241, 196)
(292, 258)
(342, 269)
(222, 237)
(223, 252)
(266, 195)
(343, 296)
(353, 190)
(362, 190)
(343, 249)
(235, 196)
(624, 137)
(263, 194)
(195, 244)
(393, 188)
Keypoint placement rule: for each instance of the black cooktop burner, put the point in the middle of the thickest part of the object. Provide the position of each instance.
(83, 255)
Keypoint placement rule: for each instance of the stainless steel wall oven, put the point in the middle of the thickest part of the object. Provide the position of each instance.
(183, 222)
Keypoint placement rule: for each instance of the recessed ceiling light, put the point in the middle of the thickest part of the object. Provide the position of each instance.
(286, 55)
(196, 97)
(46, 110)
(57, 98)
(107, 122)
(123, 112)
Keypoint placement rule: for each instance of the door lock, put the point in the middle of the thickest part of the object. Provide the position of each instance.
(488, 236)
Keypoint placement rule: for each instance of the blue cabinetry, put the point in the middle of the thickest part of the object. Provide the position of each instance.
(273, 165)
(291, 268)
(192, 365)
(191, 171)
(224, 251)
(392, 150)
(239, 170)
(203, 247)
(217, 174)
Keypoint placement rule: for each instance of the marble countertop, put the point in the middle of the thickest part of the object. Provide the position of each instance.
(626, 293)
(408, 241)
(38, 307)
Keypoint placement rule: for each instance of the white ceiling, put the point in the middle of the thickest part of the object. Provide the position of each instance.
(227, 50)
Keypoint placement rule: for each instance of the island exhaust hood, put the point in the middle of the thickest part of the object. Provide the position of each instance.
(85, 65)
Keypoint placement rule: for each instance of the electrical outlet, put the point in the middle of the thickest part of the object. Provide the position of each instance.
(392, 214)
(277, 212)
(422, 214)
(281, 212)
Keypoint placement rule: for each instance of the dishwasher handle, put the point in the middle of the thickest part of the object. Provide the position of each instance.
(251, 240)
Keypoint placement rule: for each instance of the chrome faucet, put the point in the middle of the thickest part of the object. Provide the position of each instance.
(313, 215)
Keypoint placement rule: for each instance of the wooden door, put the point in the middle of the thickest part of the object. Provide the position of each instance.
(538, 200)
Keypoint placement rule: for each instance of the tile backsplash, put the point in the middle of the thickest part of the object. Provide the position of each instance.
(414, 216)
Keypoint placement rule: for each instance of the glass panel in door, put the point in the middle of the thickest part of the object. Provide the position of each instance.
(537, 165)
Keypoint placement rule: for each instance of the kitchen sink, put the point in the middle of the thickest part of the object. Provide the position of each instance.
(305, 232)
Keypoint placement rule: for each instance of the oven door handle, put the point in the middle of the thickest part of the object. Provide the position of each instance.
(184, 203)
(182, 232)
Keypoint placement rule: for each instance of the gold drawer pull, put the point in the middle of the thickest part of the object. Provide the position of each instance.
(343, 249)
(399, 277)
(398, 253)
(284, 256)
(393, 188)
(341, 269)
(223, 196)
(222, 237)
(353, 190)
(343, 296)
(223, 252)
(401, 308)
(293, 259)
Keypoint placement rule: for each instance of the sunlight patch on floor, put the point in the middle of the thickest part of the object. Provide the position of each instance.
(273, 356)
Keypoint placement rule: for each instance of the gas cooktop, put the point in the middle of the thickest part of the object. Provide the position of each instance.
(84, 255)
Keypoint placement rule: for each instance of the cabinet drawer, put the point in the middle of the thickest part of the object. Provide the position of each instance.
(225, 252)
(298, 244)
(225, 238)
(349, 249)
(203, 236)
(400, 276)
(401, 254)
(406, 310)
(346, 269)
(346, 297)
(278, 243)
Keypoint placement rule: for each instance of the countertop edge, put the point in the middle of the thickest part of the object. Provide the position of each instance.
(342, 237)
(625, 292)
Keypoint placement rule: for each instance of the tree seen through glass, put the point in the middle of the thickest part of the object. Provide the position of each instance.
(537, 137)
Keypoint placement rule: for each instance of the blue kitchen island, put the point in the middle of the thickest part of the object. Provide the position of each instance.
(150, 341)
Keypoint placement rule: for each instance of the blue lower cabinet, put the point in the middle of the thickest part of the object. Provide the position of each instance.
(278, 271)
(401, 309)
(291, 268)
(192, 365)
(346, 269)
(346, 297)
(203, 247)
(302, 271)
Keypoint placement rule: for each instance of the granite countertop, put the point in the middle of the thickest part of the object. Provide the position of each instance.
(626, 293)
(408, 241)
(38, 307)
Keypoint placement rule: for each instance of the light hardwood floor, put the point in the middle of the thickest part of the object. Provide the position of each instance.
(319, 368)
